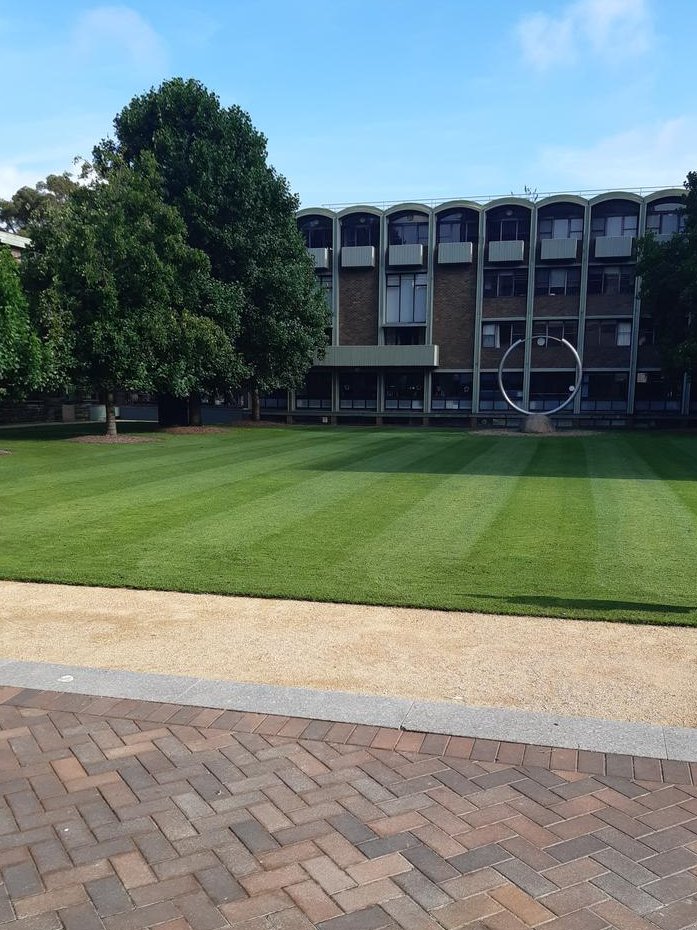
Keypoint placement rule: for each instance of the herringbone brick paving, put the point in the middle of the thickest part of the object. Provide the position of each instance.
(124, 815)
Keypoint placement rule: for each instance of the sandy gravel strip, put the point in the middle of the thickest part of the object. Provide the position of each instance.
(645, 674)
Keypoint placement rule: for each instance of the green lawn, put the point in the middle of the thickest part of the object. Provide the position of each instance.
(601, 526)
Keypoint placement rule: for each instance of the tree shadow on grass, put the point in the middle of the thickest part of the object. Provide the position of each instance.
(594, 604)
(69, 431)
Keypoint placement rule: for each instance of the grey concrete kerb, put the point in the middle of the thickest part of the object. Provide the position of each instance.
(675, 743)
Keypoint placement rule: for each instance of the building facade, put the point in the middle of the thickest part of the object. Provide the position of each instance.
(15, 243)
(425, 300)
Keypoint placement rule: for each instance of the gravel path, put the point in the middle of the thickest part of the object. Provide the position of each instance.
(610, 670)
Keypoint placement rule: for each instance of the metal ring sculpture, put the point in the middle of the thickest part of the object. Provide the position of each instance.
(542, 340)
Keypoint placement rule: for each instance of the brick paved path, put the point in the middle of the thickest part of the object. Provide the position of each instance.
(121, 815)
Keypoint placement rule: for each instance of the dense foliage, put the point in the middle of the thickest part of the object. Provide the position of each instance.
(669, 288)
(129, 303)
(20, 348)
(240, 212)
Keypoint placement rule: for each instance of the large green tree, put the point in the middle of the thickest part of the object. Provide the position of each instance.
(130, 303)
(240, 212)
(669, 288)
(20, 347)
(31, 205)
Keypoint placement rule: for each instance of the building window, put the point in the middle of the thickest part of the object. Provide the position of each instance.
(557, 281)
(658, 392)
(457, 226)
(507, 224)
(506, 283)
(604, 391)
(276, 400)
(451, 390)
(611, 280)
(666, 219)
(615, 226)
(358, 391)
(360, 229)
(317, 232)
(325, 283)
(548, 389)
(316, 393)
(406, 298)
(405, 335)
(647, 332)
(608, 333)
(556, 329)
(502, 335)
(490, 397)
(404, 390)
(409, 229)
(562, 228)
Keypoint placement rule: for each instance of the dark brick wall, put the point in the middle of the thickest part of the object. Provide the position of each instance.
(490, 358)
(649, 357)
(556, 305)
(608, 304)
(552, 356)
(454, 298)
(499, 308)
(358, 306)
(606, 357)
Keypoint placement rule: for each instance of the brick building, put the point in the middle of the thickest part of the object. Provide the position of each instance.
(426, 299)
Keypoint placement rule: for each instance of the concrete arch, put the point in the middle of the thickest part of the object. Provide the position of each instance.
(409, 208)
(509, 202)
(457, 205)
(316, 211)
(616, 195)
(359, 208)
(678, 192)
(562, 198)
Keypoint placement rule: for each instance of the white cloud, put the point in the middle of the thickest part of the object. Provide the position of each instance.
(119, 30)
(616, 29)
(654, 154)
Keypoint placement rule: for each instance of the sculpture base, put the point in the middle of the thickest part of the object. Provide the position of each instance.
(537, 423)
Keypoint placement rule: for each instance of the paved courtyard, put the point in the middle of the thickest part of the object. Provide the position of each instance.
(124, 814)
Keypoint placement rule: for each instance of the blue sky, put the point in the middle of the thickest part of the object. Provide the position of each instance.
(374, 100)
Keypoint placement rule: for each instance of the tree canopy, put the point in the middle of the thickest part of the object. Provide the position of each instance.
(669, 288)
(20, 348)
(31, 205)
(240, 212)
(128, 301)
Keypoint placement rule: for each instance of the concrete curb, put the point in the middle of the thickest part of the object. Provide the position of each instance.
(500, 724)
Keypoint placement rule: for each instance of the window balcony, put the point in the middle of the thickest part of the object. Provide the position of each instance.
(454, 253)
(558, 249)
(414, 356)
(406, 255)
(511, 250)
(358, 256)
(321, 258)
(614, 246)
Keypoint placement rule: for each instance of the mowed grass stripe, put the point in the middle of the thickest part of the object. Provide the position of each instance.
(598, 526)
(361, 536)
(546, 530)
(149, 466)
(433, 522)
(641, 570)
(283, 530)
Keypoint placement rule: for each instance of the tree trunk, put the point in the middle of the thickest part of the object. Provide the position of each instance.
(256, 405)
(110, 414)
(195, 410)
